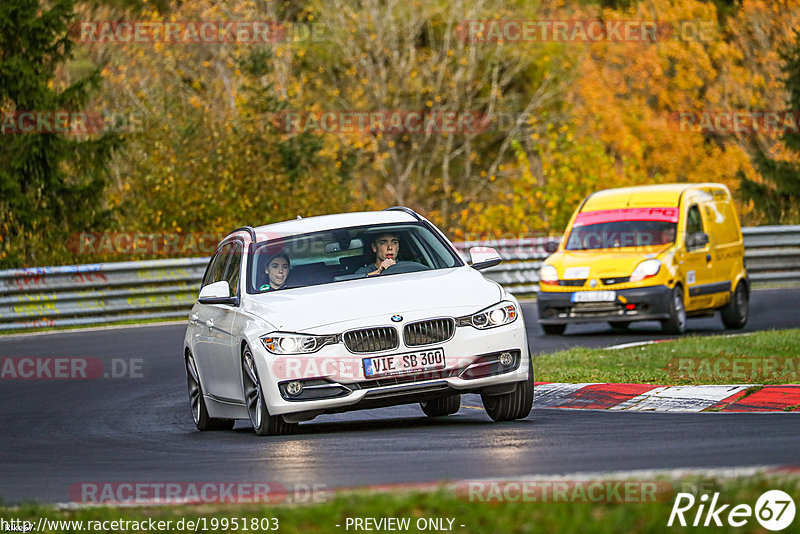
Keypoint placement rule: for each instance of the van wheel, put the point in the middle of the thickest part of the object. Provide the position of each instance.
(734, 313)
(676, 324)
(554, 329)
(442, 406)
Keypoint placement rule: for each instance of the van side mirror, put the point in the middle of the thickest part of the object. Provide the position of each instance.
(217, 293)
(484, 257)
(550, 246)
(696, 240)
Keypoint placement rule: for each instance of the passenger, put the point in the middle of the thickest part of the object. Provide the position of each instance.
(386, 246)
(277, 271)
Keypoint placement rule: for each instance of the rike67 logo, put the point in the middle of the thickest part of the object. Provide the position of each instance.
(774, 511)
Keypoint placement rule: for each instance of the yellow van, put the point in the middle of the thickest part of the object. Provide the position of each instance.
(660, 252)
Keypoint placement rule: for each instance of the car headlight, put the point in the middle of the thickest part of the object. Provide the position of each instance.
(281, 343)
(548, 275)
(497, 315)
(646, 269)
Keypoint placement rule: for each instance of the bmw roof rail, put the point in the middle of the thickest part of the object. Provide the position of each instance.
(406, 210)
(248, 229)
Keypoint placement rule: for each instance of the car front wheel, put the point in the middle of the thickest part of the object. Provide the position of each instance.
(514, 405)
(263, 423)
(442, 406)
(198, 404)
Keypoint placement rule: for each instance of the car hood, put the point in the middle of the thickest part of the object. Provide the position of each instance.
(604, 263)
(373, 301)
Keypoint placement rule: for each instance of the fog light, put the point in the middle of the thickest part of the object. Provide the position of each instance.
(506, 359)
(294, 388)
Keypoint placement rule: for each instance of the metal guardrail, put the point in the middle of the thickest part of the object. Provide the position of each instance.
(136, 290)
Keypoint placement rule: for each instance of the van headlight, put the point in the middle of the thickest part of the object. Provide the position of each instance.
(497, 315)
(646, 269)
(548, 275)
(285, 343)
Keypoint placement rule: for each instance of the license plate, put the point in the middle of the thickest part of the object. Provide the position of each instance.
(399, 364)
(594, 296)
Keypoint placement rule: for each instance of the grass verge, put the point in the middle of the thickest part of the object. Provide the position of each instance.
(532, 515)
(769, 357)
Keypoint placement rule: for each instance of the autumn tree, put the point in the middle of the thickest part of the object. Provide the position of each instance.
(777, 194)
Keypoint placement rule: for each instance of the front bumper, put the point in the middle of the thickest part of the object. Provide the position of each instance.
(339, 376)
(647, 303)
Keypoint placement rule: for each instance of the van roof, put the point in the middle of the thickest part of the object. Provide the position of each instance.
(644, 196)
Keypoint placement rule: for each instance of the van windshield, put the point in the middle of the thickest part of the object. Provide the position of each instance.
(630, 227)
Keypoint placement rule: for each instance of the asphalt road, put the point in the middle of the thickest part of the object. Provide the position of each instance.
(57, 434)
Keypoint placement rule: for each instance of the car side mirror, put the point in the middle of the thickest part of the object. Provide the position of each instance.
(550, 246)
(483, 257)
(217, 293)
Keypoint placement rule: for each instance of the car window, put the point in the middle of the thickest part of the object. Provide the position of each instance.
(345, 253)
(234, 268)
(694, 221)
(217, 265)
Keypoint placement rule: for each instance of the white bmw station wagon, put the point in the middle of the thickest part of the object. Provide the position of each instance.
(346, 312)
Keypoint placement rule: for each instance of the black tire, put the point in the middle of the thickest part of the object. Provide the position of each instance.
(514, 405)
(442, 406)
(263, 423)
(619, 325)
(554, 329)
(734, 314)
(197, 402)
(676, 324)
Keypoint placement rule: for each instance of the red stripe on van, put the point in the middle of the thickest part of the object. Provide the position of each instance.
(627, 214)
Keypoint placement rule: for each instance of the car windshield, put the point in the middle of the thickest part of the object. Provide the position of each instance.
(343, 254)
(635, 227)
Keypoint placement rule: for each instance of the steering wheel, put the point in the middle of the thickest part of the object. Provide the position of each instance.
(405, 267)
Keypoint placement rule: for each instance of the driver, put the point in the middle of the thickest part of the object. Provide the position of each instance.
(386, 247)
(668, 235)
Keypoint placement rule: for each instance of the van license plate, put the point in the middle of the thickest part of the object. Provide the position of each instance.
(594, 296)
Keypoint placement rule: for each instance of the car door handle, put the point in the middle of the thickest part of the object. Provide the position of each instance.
(210, 323)
(708, 257)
